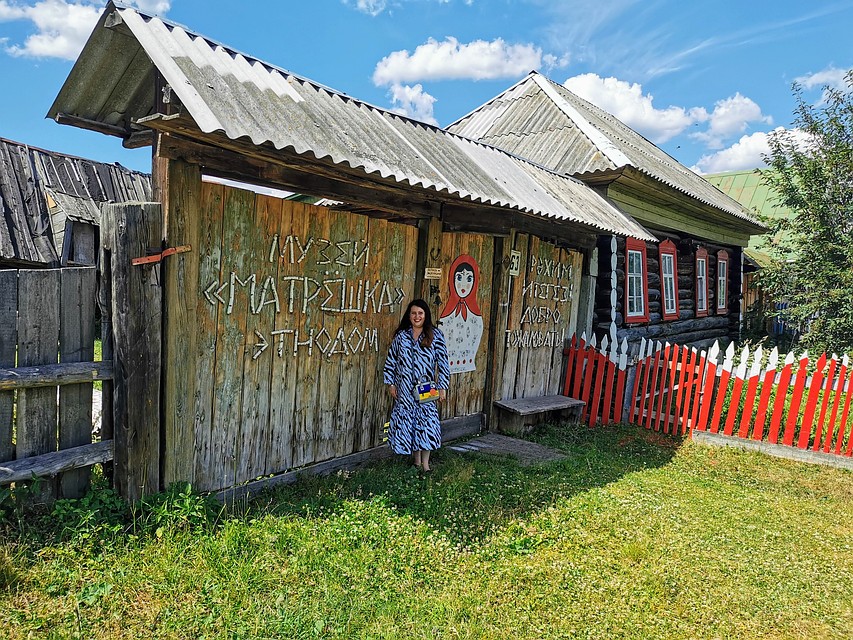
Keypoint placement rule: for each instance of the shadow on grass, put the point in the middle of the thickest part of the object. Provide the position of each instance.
(468, 496)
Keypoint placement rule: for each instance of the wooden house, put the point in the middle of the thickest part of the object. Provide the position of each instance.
(50, 204)
(277, 314)
(684, 286)
(749, 188)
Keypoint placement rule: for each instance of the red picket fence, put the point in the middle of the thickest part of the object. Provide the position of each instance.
(676, 389)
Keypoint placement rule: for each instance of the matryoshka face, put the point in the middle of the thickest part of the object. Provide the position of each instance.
(463, 282)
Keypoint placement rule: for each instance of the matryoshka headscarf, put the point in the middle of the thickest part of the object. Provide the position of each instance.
(461, 305)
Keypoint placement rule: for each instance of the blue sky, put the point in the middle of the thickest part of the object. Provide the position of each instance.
(706, 81)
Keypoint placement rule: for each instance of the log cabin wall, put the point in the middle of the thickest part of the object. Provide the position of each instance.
(688, 329)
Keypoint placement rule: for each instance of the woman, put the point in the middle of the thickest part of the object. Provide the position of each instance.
(418, 354)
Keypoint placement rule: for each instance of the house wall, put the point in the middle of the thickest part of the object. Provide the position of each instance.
(688, 329)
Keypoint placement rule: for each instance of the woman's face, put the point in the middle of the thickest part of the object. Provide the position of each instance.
(417, 317)
(463, 282)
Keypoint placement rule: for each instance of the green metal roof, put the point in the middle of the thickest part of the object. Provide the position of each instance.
(749, 188)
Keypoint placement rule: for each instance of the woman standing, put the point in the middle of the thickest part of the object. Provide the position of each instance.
(418, 354)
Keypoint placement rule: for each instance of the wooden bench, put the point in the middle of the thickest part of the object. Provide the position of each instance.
(520, 415)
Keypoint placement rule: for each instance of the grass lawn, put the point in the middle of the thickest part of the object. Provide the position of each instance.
(632, 536)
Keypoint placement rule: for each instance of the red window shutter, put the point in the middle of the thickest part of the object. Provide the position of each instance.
(669, 280)
(702, 288)
(636, 303)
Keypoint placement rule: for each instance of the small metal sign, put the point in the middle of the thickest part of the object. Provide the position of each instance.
(514, 262)
(432, 273)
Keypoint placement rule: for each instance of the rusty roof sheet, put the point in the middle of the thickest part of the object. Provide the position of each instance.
(541, 120)
(228, 92)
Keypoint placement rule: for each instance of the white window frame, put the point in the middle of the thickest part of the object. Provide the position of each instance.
(701, 284)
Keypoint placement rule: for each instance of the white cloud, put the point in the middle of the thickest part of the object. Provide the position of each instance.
(451, 60)
(746, 153)
(62, 27)
(627, 102)
(371, 7)
(830, 76)
(550, 61)
(729, 118)
(413, 102)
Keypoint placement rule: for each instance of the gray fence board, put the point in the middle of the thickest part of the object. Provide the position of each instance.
(76, 344)
(38, 337)
(8, 346)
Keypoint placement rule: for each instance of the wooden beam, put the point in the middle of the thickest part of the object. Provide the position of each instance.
(139, 139)
(49, 464)
(231, 165)
(52, 375)
(92, 125)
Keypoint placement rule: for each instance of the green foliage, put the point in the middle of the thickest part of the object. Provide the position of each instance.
(813, 261)
(178, 508)
(100, 514)
(16, 501)
(632, 535)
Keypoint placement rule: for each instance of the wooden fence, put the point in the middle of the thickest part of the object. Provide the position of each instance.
(47, 370)
(801, 402)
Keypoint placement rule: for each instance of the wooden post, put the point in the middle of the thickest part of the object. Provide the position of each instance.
(136, 311)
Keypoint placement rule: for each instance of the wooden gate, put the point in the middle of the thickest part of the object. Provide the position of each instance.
(277, 325)
(47, 370)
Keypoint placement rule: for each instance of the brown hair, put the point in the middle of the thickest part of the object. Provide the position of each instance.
(406, 322)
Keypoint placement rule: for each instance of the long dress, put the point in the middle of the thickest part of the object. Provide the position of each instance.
(415, 426)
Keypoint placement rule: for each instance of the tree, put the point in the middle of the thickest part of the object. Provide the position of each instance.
(812, 171)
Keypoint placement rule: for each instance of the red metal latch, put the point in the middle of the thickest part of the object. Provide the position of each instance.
(157, 257)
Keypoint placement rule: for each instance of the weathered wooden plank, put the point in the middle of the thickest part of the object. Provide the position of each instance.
(21, 242)
(255, 424)
(76, 344)
(52, 375)
(83, 249)
(105, 294)
(136, 312)
(284, 363)
(8, 351)
(231, 341)
(38, 337)
(182, 296)
(529, 406)
(496, 341)
(521, 243)
(49, 464)
(305, 378)
(204, 431)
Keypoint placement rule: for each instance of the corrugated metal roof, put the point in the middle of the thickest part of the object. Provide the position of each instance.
(35, 184)
(749, 188)
(544, 121)
(244, 98)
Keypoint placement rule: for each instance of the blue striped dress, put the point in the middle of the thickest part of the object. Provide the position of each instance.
(415, 426)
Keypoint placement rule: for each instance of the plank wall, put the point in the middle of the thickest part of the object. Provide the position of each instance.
(277, 327)
(539, 308)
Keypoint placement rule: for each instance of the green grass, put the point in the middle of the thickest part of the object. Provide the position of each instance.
(632, 536)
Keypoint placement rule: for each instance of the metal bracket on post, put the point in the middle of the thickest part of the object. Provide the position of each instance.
(157, 257)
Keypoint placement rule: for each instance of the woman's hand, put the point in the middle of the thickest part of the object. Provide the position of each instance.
(393, 391)
(442, 395)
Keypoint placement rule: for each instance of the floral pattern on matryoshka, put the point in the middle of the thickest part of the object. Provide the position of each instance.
(461, 319)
